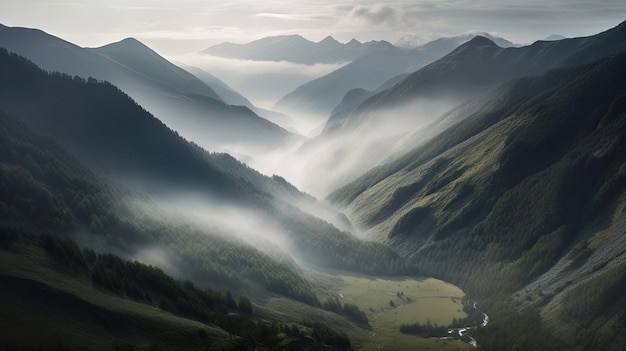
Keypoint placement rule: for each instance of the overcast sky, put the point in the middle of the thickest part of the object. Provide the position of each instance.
(177, 26)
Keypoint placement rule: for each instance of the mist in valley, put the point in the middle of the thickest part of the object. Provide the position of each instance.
(325, 160)
(263, 82)
(190, 173)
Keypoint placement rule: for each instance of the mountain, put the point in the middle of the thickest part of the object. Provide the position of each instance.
(295, 48)
(80, 298)
(227, 94)
(320, 96)
(71, 200)
(520, 202)
(390, 121)
(176, 97)
(480, 64)
(118, 140)
(232, 97)
(369, 71)
(134, 55)
(443, 46)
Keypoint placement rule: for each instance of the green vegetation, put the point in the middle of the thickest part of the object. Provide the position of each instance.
(414, 300)
(147, 150)
(351, 311)
(493, 202)
(427, 331)
(143, 294)
(64, 197)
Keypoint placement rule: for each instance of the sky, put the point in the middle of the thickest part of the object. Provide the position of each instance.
(183, 26)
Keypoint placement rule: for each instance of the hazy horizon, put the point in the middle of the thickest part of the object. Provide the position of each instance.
(179, 27)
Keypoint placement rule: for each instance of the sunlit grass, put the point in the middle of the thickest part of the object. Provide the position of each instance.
(420, 300)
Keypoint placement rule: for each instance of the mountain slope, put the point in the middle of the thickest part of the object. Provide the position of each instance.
(80, 299)
(443, 46)
(117, 139)
(295, 48)
(77, 299)
(369, 71)
(135, 55)
(532, 184)
(232, 97)
(225, 92)
(176, 97)
(45, 189)
(480, 64)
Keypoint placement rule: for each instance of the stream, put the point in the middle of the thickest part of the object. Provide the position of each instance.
(461, 331)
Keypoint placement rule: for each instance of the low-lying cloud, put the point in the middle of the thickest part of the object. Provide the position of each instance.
(328, 162)
(263, 82)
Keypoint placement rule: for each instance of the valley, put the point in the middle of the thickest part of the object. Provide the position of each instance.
(463, 193)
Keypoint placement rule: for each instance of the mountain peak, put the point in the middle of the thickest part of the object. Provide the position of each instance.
(130, 40)
(554, 37)
(476, 43)
(329, 40)
(480, 40)
(127, 43)
(279, 38)
(354, 42)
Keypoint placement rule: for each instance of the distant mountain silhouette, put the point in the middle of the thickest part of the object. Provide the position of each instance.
(175, 96)
(320, 96)
(480, 64)
(141, 59)
(444, 45)
(232, 97)
(369, 71)
(295, 48)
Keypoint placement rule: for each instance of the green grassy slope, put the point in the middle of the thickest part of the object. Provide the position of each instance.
(56, 297)
(46, 305)
(493, 202)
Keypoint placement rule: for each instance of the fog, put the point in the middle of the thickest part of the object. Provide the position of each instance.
(322, 164)
(317, 164)
(262, 82)
(227, 221)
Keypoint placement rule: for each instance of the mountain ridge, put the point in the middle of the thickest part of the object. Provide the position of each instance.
(472, 69)
(297, 49)
(369, 71)
(514, 193)
(196, 113)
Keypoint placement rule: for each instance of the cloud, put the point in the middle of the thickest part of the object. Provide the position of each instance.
(263, 82)
(378, 14)
(289, 16)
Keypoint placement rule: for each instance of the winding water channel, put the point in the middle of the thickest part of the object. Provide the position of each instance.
(461, 332)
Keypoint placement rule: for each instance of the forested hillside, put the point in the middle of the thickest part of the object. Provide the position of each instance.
(109, 303)
(150, 158)
(497, 200)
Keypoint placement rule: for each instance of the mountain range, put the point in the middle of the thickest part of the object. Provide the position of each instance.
(369, 71)
(177, 97)
(499, 170)
(406, 114)
(297, 49)
(524, 196)
(480, 64)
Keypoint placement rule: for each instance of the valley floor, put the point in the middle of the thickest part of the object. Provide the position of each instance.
(388, 303)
